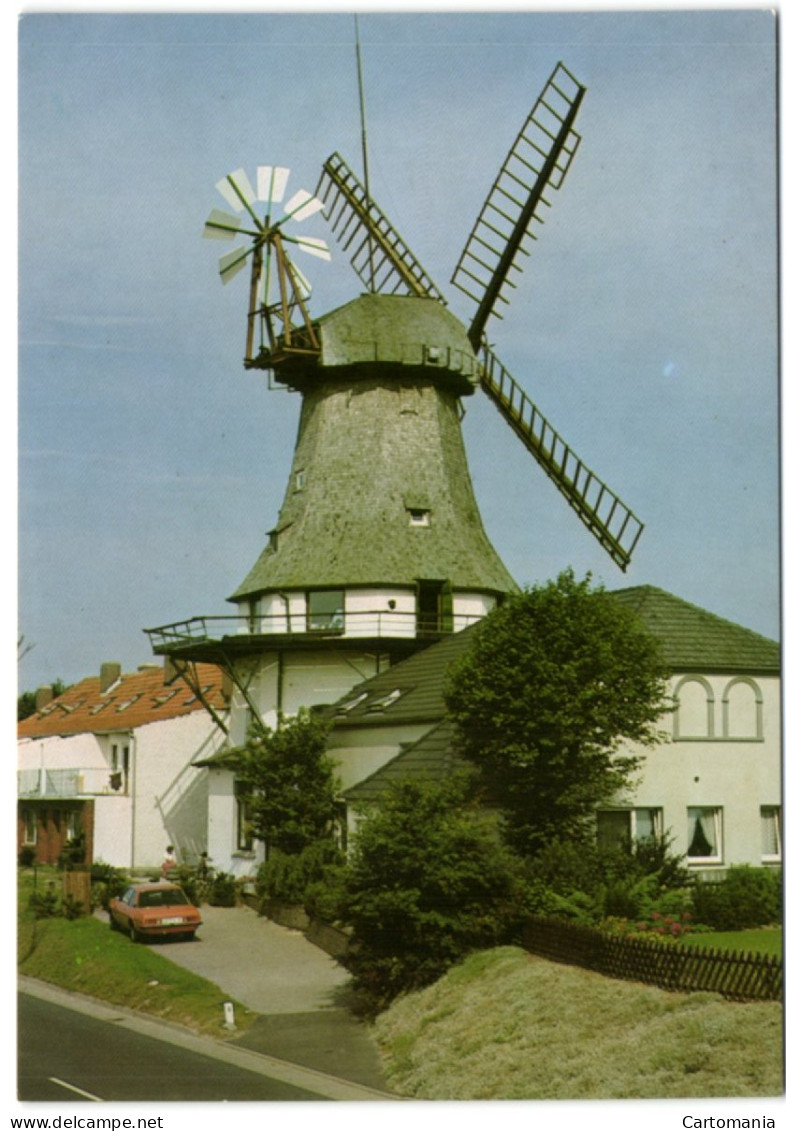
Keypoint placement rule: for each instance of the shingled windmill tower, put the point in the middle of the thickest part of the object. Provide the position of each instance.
(379, 547)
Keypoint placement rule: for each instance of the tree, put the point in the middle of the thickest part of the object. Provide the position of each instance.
(291, 784)
(25, 703)
(427, 881)
(553, 684)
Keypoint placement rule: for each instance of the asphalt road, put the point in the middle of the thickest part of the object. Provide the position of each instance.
(66, 1055)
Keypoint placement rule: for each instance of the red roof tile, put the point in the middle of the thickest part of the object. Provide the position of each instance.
(135, 700)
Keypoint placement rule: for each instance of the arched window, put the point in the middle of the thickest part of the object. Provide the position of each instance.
(694, 716)
(742, 709)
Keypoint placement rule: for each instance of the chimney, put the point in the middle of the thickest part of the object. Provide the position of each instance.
(43, 696)
(110, 673)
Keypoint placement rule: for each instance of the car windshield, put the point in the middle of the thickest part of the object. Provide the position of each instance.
(173, 898)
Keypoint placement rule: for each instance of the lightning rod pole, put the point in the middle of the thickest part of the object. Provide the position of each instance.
(365, 152)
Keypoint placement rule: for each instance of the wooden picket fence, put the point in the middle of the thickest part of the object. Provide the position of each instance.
(670, 966)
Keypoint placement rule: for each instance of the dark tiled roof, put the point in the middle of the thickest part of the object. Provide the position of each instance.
(420, 679)
(431, 758)
(696, 640)
(136, 699)
(691, 638)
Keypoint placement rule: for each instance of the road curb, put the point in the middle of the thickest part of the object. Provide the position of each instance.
(310, 1079)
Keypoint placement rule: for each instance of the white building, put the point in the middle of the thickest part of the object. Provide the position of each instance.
(113, 759)
(714, 784)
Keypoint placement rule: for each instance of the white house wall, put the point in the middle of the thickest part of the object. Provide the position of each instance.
(729, 766)
(112, 824)
(360, 753)
(222, 829)
(170, 793)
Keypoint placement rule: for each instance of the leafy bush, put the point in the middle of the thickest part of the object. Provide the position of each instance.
(193, 887)
(427, 881)
(578, 880)
(44, 904)
(106, 882)
(746, 897)
(72, 907)
(73, 852)
(288, 876)
(26, 856)
(222, 891)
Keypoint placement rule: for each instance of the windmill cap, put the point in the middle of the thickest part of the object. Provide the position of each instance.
(399, 330)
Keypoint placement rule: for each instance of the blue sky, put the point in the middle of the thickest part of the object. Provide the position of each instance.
(644, 325)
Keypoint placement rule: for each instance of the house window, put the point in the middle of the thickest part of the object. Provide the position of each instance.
(619, 828)
(771, 832)
(30, 827)
(326, 610)
(72, 828)
(244, 837)
(705, 835)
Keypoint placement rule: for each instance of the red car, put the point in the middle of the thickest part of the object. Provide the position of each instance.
(146, 910)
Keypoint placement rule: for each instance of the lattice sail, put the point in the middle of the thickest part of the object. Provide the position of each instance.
(538, 161)
(614, 524)
(379, 256)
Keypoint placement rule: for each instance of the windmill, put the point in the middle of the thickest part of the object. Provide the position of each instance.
(502, 237)
(379, 546)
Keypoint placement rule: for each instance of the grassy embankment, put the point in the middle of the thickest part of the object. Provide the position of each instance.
(85, 955)
(507, 1025)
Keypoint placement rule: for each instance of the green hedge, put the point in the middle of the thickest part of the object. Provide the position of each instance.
(746, 897)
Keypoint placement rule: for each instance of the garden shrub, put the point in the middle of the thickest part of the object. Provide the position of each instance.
(222, 890)
(44, 904)
(26, 856)
(287, 876)
(746, 897)
(427, 881)
(577, 880)
(106, 882)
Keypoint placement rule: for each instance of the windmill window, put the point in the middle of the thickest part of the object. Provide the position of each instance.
(705, 835)
(771, 833)
(300, 480)
(419, 516)
(326, 610)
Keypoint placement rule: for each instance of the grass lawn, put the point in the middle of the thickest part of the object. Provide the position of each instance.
(505, 1024)
(85, 955)
(766, 940)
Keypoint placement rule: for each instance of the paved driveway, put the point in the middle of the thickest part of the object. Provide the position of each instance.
(269, 968)
(293, 985)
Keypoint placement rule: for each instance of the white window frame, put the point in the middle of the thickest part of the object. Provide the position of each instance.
(713, 813)
(770, 811)
(30, 822)
(243, 842)
(657, 810)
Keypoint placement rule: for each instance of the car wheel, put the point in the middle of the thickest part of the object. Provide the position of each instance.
(133, 933)
(113, 923)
